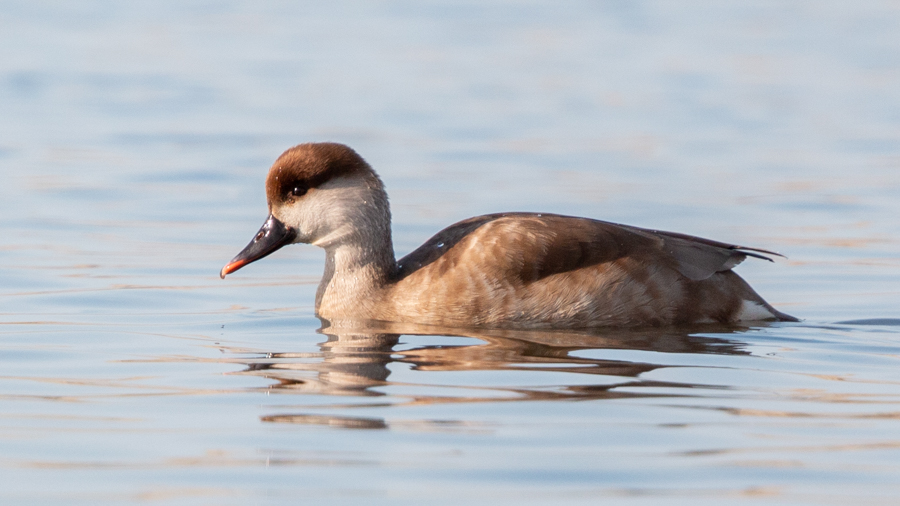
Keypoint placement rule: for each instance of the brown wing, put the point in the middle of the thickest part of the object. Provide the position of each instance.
(440, 244)
(700, 258)
(533, 246)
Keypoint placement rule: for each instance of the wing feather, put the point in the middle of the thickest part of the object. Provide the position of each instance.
(533, 246)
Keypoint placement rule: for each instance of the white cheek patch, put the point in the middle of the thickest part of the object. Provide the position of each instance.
(336, 209)
(754, 311)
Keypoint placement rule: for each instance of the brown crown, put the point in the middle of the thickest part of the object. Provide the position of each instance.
(310, 165)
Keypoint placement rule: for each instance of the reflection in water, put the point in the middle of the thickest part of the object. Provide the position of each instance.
(356, 361)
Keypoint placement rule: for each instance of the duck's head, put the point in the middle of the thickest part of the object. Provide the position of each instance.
(318, 193)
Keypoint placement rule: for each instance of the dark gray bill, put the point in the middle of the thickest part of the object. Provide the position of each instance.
(271, 236)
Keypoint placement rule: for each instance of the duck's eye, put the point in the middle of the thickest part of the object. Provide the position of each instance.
(299, 191)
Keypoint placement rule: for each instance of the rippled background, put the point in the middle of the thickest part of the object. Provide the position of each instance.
(134, 139)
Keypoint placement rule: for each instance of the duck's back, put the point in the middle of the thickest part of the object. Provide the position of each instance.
(543, 270)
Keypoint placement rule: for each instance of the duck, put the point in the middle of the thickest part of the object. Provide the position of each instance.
(513, 270)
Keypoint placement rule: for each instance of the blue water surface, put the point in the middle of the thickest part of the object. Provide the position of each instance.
(134, 140)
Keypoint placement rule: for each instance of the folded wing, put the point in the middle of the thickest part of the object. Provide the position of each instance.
(533, 246)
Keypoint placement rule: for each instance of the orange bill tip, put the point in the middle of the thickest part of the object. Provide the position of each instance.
(231, 267)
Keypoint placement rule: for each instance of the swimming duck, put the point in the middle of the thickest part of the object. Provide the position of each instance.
(506, 270)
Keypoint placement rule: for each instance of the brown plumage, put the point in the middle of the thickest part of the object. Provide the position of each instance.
(514, 270)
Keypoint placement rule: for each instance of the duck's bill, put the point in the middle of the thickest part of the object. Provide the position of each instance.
(271, 237)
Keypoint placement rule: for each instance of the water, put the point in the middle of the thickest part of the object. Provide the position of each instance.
(133, 144)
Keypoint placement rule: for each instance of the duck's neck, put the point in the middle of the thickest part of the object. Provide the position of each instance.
(358, 264)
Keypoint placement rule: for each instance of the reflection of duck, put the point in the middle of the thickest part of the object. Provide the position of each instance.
(349, 364)
(514, 270)
(557, 351)
(353, 361)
